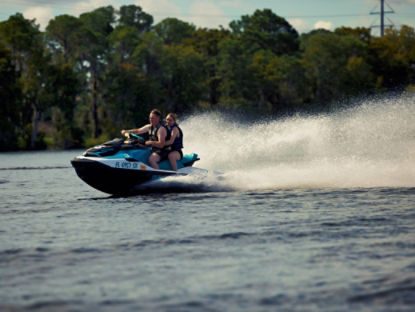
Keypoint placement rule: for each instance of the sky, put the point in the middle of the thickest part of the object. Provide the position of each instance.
(304, 15)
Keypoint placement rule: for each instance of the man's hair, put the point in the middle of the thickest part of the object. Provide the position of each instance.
(156, 112)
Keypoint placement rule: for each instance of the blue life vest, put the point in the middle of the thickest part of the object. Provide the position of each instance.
(178, 141)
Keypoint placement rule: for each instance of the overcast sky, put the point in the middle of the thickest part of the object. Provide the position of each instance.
(304, 15)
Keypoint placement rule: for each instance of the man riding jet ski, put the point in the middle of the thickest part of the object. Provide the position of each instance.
(118, 166)
(162, 139)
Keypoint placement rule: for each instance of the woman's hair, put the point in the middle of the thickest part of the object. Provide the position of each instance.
(174, 116)
(156, 112)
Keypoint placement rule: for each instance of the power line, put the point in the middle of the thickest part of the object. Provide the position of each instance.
(166, 14)
(237, 16)
(162, 13)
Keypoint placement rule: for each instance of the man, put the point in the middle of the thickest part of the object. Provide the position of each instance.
(157, 137)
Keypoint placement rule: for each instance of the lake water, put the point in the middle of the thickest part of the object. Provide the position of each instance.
(301, 214)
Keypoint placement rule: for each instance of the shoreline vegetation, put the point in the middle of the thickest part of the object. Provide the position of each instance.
(83, 79)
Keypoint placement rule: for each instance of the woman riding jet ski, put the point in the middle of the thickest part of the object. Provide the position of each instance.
(118, 166)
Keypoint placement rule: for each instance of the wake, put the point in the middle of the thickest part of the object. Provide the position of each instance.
(370, 145)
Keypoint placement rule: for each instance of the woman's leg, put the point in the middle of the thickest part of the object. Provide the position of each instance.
(153, 160)
(173, 157)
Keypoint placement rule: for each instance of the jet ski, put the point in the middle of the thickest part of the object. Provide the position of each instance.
(119, 166)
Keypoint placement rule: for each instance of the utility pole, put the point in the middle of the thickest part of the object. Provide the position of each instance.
(382, 17)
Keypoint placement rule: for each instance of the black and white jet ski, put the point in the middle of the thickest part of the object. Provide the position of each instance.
(120, 165)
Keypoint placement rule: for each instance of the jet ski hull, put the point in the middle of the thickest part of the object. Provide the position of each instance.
(120, 171)
(112, 180)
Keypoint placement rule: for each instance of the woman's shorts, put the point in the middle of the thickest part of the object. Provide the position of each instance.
(179, 151)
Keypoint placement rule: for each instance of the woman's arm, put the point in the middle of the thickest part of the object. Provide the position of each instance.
(174, 134)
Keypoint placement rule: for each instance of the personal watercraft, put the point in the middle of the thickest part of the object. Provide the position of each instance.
(119, 166)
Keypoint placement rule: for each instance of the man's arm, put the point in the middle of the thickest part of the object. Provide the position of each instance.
(161, 135)
(141, 130)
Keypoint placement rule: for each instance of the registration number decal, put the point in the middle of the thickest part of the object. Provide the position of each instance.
(128, 165)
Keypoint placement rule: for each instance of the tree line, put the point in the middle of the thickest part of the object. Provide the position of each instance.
(84, 78)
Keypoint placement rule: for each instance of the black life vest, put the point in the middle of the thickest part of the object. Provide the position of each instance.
(178, 141)
(153, 131)
(153, 136)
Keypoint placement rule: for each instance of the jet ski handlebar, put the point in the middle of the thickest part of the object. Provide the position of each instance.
(131, 135)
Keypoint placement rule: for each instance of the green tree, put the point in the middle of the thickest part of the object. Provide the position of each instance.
(61, 33)
(10, 94)
(336, 66)
(207, 43)
(92, 50)
(30, 60)
(265, 30)
(173, 31)
(67, 80)
(134, 16)
(126, 88)
(122, 42)
(127, 98)
(182, 77)
(361, 33)
(146, 58)
(393, 57)
(237, 88)
(67, 85)
(88, 77)
(281, 82)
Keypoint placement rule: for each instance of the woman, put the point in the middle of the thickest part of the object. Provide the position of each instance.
(175, 142)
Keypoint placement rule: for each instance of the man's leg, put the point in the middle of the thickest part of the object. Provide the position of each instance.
(153, 160)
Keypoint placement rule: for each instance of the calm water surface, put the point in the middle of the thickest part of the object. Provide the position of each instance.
(67, 247)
